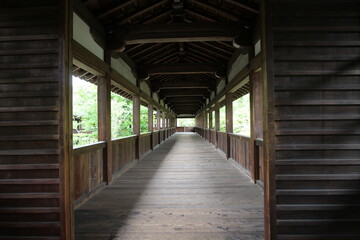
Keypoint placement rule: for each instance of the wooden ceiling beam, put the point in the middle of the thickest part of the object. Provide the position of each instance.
(217, 48)
(164, 58)
(160, 16)
(151, 7)
(209, 51)
(158, 52)
(157, 86)
(198, 15)
(214, 9)
(180, 68)
(179, 32)
(113, 9)
(243, 6)
(181, 93)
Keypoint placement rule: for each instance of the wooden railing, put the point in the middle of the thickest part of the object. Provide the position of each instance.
(88, 170)
(185, 129)
(162, 135)
(144, 143)
(259, 161)
(240, 150)
(123, 152)
(237, 147)
(88, 161)
(213, 137)
(222, 142)
(155, 137)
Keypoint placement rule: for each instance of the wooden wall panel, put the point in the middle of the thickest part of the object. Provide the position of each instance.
(316, 81)
(34, 148)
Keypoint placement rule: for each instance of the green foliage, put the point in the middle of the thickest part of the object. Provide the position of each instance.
(121, 116)
(144, 127)
(185, 122)
(223, 119)
(241, 115)
(85, 108)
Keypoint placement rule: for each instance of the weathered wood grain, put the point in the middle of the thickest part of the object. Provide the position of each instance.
(182, 190)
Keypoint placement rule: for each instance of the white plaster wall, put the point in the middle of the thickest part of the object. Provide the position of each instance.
(145, 88)
(238, 65)
(156, 97)
(220, 86)
(212, 95)
(121, 67)
(258, 47)
(81, 34)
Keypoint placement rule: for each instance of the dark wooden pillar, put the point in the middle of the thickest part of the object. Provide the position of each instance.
(217, 122)
(211, 120)
(163, 125)
(158, 116)
(229, 121)
(256, 125)
(104, 124)
(151, 123)
(136, 124)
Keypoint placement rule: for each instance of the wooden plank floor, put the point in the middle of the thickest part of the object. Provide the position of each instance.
(182, 190)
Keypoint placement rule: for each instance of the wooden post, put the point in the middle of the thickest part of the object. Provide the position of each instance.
(229, 121)
(136, 124)
(158, 119)
(163, 125)
(150, 123)
(104, 124)
(217, 123)
(158, 127)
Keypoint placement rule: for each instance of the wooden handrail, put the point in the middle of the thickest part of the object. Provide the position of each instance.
(145, 134)
(89, 148)
(123, 139)
(238, 135)
(259, 142)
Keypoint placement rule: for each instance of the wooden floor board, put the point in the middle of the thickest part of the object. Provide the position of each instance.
(183, 190)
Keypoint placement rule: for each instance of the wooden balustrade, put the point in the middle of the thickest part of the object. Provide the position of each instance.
(144, 143)
(123, 152)
(162, 135)
(213, 137)
(156, 138)
(222, 141)
(259, 161)
(240, 150)
(88, 170)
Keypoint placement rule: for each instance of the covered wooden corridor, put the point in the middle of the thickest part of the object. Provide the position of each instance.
(184, 189)
(298, 61)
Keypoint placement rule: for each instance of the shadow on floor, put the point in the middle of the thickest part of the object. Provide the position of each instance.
(182, 190)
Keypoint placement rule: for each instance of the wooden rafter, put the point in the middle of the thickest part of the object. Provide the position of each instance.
(162, 15)
(216, 10)
(180, 32)
(164, 58)
(180, 68)
(161, 50)
(113, 9)
(210, 51)
(148, 8)
(212, 45)
(243, 6)
(199, 15)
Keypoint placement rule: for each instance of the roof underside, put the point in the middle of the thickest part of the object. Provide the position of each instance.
(178, 68)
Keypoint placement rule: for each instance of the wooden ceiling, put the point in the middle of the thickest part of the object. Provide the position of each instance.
(182, 48)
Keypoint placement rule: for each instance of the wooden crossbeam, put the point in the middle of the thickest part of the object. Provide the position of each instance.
(182, 93)
(181, 68)
(182, 84)
(179, 32)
